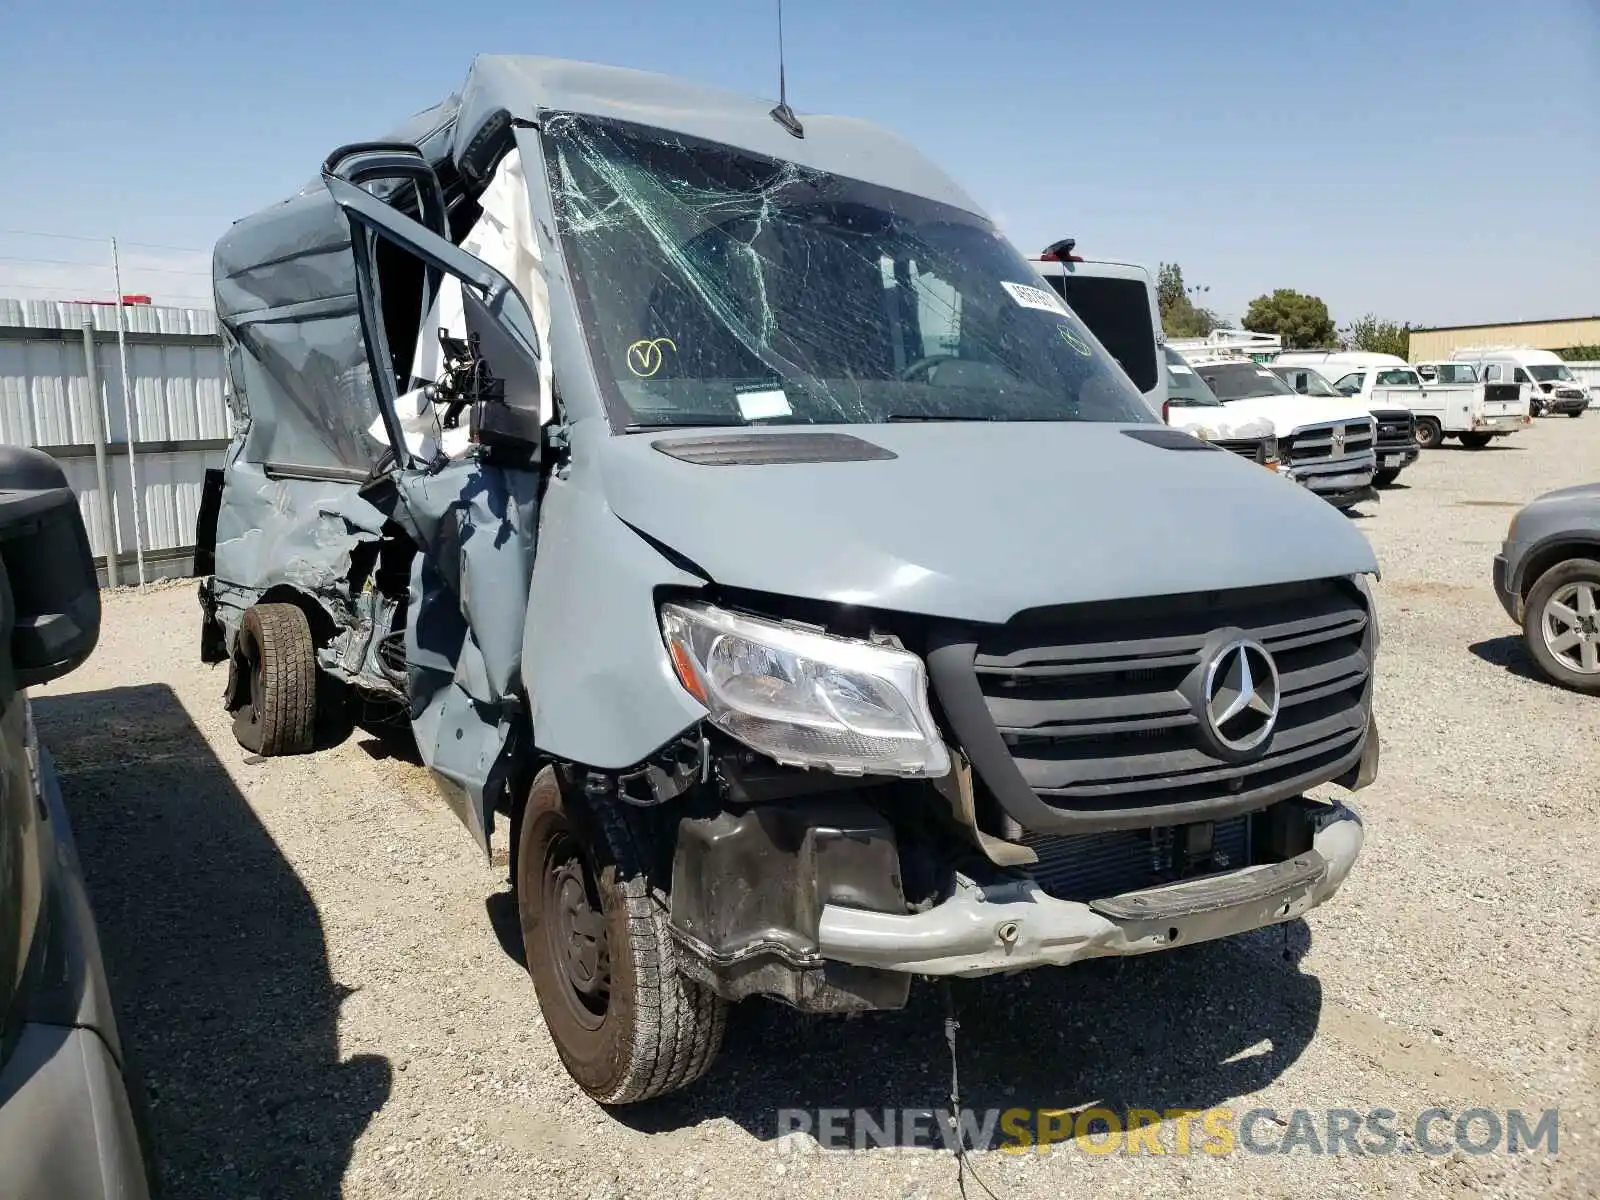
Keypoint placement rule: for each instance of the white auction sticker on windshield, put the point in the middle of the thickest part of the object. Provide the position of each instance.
(1265, 374)
(1179, 369)
(1032, 297)
(772, 402)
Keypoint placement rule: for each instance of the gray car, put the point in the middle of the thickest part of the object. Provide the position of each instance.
(1547, 576)
(759, 546)
(67, 1127)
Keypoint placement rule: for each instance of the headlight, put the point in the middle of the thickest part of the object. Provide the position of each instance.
(807, 699)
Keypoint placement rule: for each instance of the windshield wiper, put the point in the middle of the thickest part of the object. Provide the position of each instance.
(901, 416)
(711, 421)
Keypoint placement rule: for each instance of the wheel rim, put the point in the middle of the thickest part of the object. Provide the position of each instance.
(1571, 627)
(575, 930)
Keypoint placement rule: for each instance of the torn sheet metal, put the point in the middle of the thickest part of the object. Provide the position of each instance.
(469, 593)
(284, 282)
(289, 531)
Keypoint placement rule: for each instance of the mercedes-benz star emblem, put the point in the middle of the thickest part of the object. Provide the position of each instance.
(1241, 695)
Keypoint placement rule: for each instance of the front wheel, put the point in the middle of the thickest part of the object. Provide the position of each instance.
(1561, 625)
(627, 1024)
(1476, 441)
(1386, 477)
(1575, 413)
(1429, 433)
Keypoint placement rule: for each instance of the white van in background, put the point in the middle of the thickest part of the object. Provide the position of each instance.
(1117, 301)
(1553, 386)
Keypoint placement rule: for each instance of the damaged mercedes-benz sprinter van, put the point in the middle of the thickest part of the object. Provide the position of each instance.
(756, 542)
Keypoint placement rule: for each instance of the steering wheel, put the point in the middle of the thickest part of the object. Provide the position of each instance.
(927, 364)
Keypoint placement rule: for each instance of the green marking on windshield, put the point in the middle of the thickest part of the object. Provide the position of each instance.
(1072, 339)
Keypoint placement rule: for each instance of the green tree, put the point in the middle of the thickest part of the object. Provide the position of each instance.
(1301, 321)
(1180, 315)
(1377, 336)
(1581, 354)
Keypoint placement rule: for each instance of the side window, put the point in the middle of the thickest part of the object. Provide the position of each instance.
(1521, 376)
(1396, 378)
(1492, 373)
(1349, 384)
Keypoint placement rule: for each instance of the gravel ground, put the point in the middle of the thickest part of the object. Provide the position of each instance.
(318, 976)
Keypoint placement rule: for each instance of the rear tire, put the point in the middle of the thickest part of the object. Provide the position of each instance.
(627, 1024)
(1430, 434)
(1385, 478)
(276, 664)
(1476, 441)
(1555, 616)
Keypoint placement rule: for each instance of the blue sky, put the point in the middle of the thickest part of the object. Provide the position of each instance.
(1429, 160)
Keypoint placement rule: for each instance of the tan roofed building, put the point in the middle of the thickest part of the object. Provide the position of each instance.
(1431, 344)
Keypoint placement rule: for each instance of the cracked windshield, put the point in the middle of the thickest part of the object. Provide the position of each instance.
(722, 288)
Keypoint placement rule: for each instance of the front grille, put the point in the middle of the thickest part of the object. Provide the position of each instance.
(1093, 866)
(1088, 717)
(1251, 448)
(1396, 431)
(1568, 393)
(1319, 443)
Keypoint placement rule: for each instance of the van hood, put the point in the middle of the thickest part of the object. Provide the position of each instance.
(974, 521)
(1289, 413)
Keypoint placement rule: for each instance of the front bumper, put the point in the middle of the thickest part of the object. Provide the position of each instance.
(1352, 497)
(987, 929)
(1341, 483)
(1500, 426)
(1510, 599)
(1397, 458)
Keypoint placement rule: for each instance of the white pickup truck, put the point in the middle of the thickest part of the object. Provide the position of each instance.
(1475, 413)
(1396, 447)
(1324, 444)
(1470, 409)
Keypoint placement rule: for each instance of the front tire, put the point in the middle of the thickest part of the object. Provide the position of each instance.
(1430, 434)
(1576, 413)
(627, 1024)
(1385, 478)
(275, 668)
(1476, 441)
(1561, 624)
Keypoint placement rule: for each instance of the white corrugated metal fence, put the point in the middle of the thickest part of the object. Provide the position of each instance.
(180, 416)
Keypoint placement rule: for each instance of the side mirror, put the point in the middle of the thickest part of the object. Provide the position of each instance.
(49, 596)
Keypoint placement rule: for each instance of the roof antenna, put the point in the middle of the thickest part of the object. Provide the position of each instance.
(783, 114)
